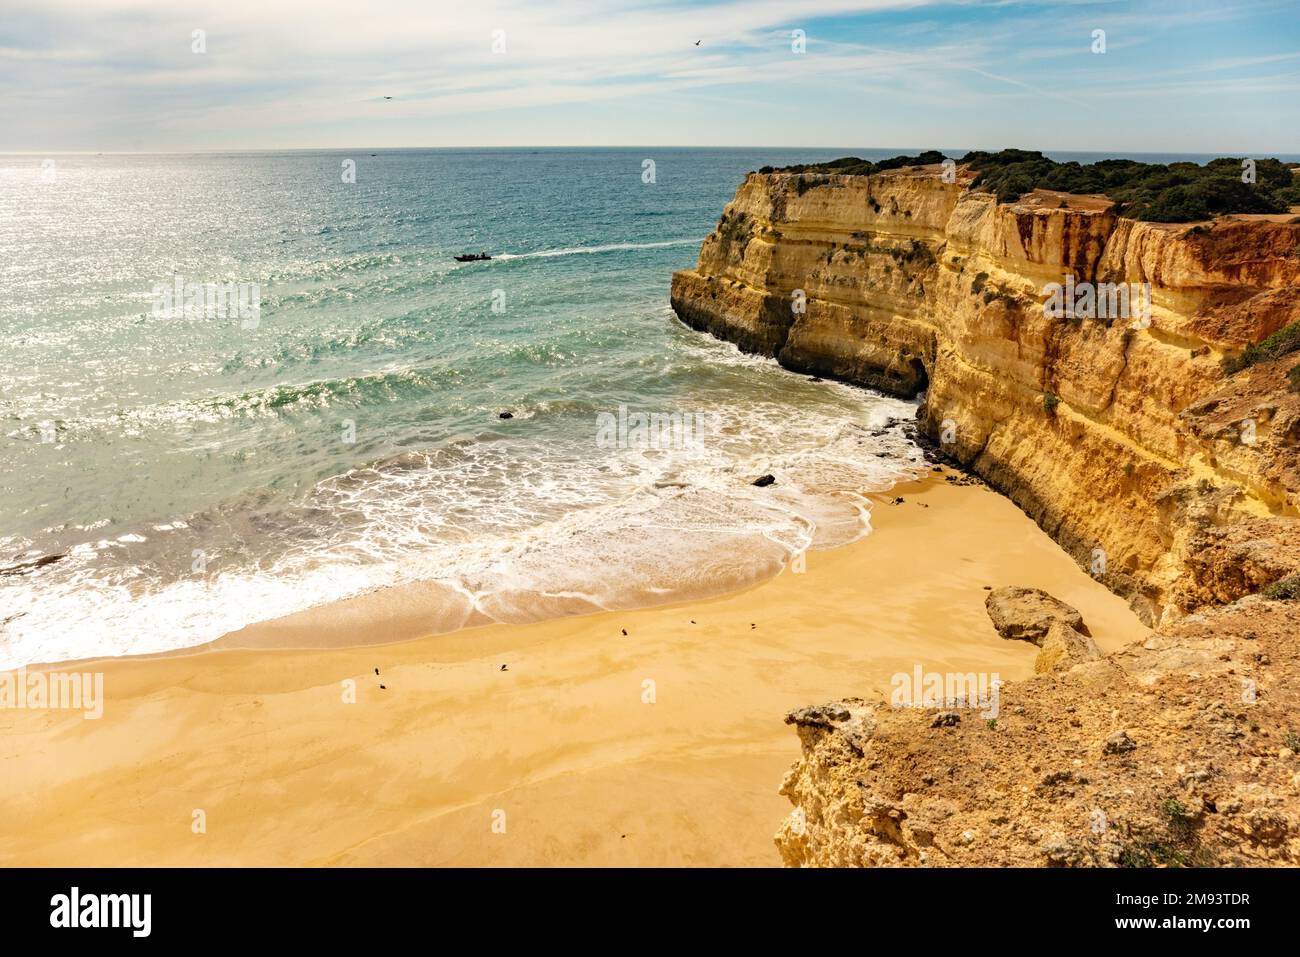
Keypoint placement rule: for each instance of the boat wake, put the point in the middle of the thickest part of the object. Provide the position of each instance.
(587, 250)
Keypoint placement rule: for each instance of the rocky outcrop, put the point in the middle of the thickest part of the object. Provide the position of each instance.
(1174, 484)
(1177, 752)
(1120, 436)
(1031, 614)
(1064, 647)
(1027, 614)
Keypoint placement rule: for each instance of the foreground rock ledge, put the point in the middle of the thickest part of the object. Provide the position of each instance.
(1151, 757)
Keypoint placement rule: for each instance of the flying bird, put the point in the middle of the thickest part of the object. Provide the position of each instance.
(697, 42)
(388, 98)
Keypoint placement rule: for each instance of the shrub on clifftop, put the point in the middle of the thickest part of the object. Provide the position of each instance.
(1155, 192)
(1288, 589)
(1283, 342)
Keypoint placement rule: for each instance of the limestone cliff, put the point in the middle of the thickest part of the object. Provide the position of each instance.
(1125, 444)
(1123, 438)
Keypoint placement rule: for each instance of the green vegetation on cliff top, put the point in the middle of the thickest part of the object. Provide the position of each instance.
(1155, 192)
(1281, 343)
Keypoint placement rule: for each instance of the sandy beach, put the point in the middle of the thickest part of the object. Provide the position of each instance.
(651, 737)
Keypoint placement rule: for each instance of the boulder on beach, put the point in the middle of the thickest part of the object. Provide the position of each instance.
(1027, 614)
(1031, 614)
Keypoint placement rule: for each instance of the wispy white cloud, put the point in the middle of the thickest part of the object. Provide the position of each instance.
(120, 73)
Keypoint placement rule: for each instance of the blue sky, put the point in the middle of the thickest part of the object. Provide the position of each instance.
(1215, 77)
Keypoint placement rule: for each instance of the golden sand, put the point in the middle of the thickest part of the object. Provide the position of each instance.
(664, 746)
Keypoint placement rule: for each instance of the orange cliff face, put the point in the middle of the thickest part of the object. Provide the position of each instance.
(1120, 436)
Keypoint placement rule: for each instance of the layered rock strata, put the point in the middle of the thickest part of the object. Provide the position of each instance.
(1121, 435)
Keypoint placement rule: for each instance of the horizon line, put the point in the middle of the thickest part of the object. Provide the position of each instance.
(635, 146)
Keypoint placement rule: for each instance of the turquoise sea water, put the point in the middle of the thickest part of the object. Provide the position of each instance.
(196, 471)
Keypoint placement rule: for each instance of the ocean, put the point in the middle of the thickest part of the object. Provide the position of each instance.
(202, 469)
(323, 418)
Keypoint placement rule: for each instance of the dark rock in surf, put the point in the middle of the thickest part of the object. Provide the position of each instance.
(22, 568)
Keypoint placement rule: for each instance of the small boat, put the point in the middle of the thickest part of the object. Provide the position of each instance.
(472, 258)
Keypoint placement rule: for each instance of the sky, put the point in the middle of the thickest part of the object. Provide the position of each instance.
(133, 75)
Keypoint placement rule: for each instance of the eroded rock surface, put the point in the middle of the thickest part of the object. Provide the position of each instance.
(1146, 758)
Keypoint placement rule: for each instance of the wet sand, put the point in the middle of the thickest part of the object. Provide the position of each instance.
(664, 746)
